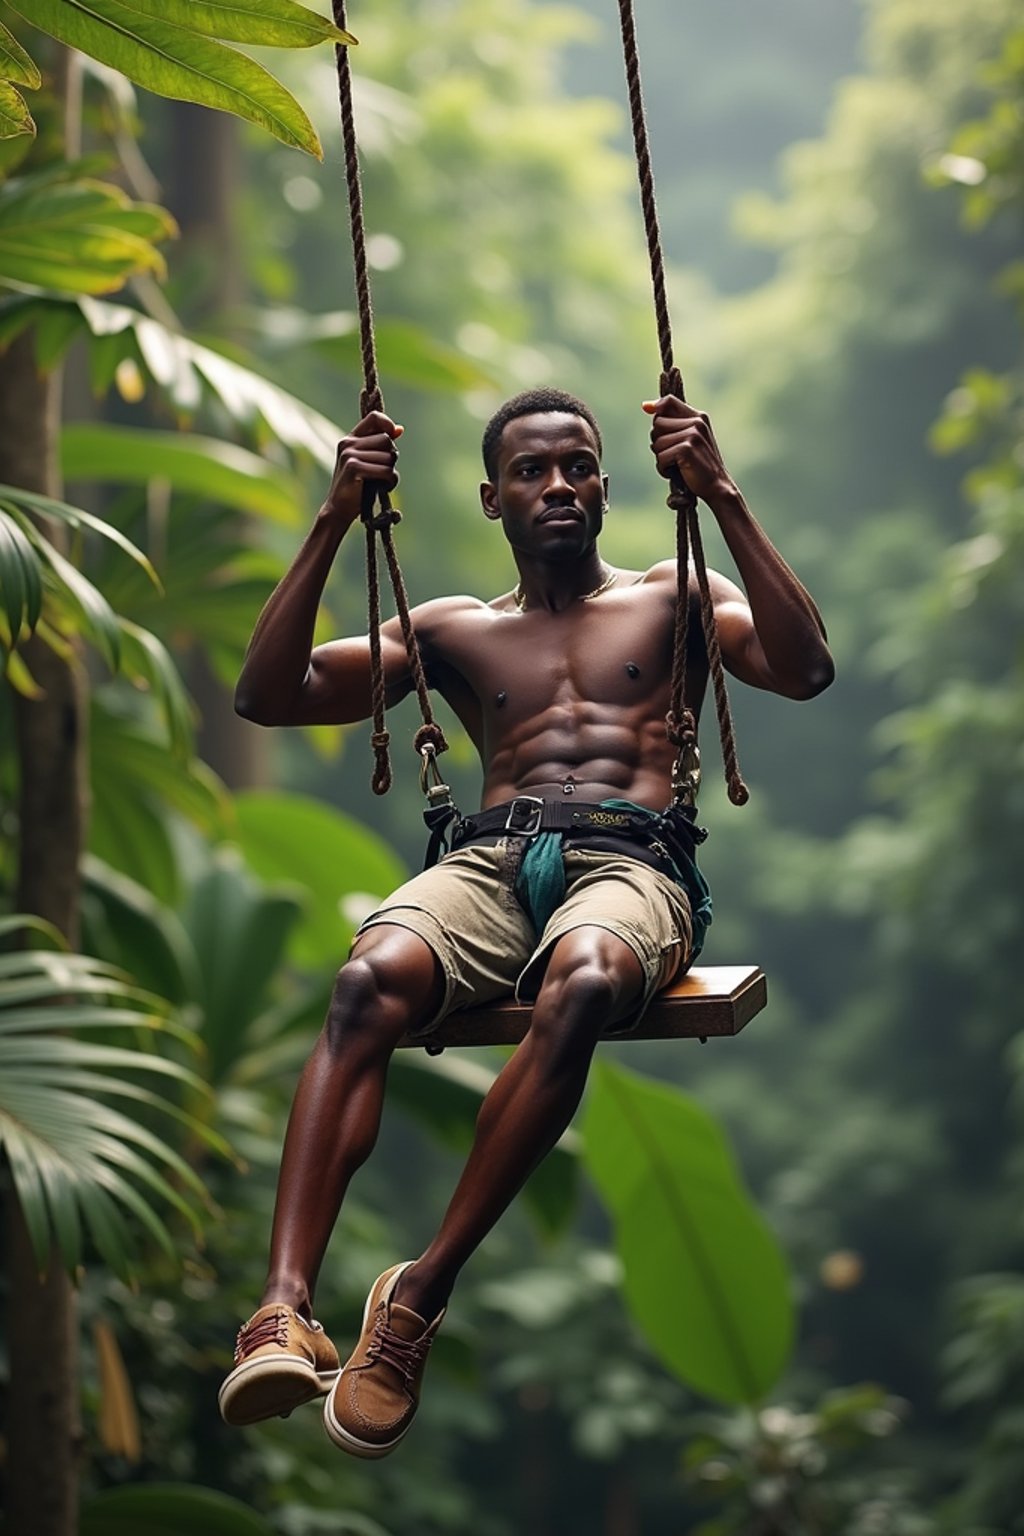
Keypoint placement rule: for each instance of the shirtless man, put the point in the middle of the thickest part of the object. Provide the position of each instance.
(563, 686)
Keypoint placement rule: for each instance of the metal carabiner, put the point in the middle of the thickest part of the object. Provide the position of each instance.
(436, 792)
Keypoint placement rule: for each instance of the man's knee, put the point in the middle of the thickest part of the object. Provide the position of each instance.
(591, 980)
(384, 989)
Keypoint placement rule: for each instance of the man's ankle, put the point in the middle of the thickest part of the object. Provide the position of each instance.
(288, 1293)
(420, 1292)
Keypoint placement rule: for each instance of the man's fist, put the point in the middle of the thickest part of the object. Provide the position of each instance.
(682, 439)
(367, 455)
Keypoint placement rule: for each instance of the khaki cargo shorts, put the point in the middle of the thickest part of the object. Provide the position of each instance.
(466, 910)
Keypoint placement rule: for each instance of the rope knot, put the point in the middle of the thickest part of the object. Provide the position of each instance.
(430, 735)
(380, 740)
(681, 499)
(381, 521)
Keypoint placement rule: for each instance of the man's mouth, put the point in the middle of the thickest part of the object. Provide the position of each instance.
(562, 514)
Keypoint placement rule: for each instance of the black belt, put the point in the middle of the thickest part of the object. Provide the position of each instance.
(648, 833)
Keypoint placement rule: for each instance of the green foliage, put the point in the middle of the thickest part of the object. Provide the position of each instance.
(174, 50)
(182, 369)
(703, 1275)
(167, 1509)
(344, 867)
(79, 1164)
(782, 1473)
(201, 466)
(62, 230)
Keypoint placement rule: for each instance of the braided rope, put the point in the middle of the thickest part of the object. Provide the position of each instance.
(680, 723)
(378, 514)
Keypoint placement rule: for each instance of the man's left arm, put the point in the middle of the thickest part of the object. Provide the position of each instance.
(774, 637)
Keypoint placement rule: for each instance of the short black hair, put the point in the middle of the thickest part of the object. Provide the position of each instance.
(532, 402)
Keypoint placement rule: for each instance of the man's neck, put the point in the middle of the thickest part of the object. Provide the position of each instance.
(557, 587)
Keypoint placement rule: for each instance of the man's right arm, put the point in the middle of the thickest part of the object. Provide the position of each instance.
(284, 681)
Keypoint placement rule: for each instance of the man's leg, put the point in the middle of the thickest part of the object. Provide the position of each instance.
(283, 1357)
(393, 982)
(593, 979)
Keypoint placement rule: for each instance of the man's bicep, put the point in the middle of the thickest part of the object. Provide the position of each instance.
(337, 689)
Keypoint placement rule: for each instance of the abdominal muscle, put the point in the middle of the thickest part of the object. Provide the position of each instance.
(621, 759)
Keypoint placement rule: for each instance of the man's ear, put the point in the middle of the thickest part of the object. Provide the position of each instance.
(489, 501)
(605, 484)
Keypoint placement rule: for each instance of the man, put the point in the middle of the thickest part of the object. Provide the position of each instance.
(563, 686)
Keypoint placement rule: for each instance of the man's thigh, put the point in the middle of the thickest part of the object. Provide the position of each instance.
(641, 908)
(465, 910)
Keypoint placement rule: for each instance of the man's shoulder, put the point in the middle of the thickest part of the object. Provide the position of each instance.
(442, 614)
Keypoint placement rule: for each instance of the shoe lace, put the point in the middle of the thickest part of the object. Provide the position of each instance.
(405, 1355)
(270, 1329)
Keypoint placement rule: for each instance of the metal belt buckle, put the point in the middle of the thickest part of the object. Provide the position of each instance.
(528, 809)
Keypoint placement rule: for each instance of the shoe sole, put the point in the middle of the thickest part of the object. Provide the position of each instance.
(270, 1388)
(369, 1450)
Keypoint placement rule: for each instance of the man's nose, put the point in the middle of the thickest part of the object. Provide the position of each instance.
(558, 488)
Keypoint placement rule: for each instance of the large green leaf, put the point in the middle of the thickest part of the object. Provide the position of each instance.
(217, 471)
(173, 60)
(77, 517)
(136, 782)
(290, 838)
(15, 63)
(239, 931)
(444, 1094)
(704, 1277)
(169, 1509)
(268, 23)
(75, 234)
(15, 117)
(126, 924)
(408, 354)
(78, 1164)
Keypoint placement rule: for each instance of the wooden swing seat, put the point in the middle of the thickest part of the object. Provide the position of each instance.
(715, 1000)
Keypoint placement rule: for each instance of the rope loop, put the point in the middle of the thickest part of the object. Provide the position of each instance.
(430, 735)
(385, 518)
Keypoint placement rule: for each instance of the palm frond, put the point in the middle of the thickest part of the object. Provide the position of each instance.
(81, 1167)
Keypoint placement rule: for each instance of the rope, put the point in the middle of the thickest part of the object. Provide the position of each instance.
(680, 722)
(378, 515)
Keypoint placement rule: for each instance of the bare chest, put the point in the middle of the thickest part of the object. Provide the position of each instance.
(609, 656)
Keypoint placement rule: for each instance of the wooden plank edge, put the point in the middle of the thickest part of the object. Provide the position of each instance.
(669, 1017)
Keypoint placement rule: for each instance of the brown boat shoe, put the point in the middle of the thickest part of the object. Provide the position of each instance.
(378, 1391)
(280, 1362)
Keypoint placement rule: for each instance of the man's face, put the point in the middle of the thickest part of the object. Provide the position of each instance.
(549, 494)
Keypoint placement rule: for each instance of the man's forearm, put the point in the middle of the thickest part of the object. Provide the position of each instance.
(786, 618)
(277, 661)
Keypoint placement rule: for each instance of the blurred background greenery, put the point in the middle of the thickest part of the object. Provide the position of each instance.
(841, 195)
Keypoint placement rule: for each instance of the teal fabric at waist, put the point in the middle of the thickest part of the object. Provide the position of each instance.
(540, 883)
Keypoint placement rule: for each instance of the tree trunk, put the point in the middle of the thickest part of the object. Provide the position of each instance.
(44, 1425)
